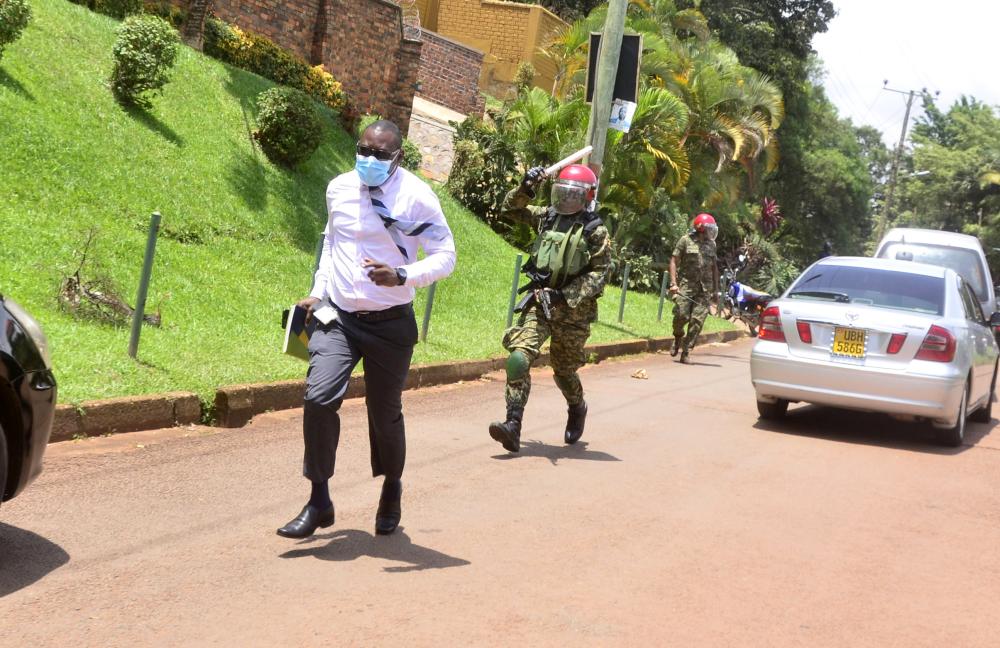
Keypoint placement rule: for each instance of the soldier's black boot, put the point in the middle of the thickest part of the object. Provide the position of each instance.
(575, 421)
(508, 433)
(678, 342)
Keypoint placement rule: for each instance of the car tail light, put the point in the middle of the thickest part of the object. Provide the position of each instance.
(770, 325)
(938, 345)
(896, 343)
(805, 332)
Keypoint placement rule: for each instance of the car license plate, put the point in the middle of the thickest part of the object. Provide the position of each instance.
(849, 342)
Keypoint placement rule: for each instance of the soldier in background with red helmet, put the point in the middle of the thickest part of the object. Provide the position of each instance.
(567, 269)
(694, 282)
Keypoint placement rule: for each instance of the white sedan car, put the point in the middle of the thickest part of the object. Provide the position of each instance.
(879, 335)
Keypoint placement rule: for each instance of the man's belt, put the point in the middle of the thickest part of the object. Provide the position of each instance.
(391, 313)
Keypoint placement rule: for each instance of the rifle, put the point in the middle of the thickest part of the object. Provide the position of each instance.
(537, 289)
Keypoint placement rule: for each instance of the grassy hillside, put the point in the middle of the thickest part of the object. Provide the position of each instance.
(238, 234)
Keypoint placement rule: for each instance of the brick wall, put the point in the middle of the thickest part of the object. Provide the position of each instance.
(360, 42)
(290, 23)
(508, 33)
(449, 74)
(364, 48)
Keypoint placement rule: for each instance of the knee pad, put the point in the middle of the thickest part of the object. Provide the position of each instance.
(518, 365)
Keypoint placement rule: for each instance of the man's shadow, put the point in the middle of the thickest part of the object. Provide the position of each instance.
(26, 557)
(351, 544)
(555, 453)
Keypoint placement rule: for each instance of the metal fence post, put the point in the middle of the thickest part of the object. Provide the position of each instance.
(513, 290)
(663, 294)
(427, 312)
(147, 271)
(621, 305)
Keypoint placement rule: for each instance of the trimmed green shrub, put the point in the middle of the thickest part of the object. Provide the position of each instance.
(258, 54)
(169, 12)
(144, 53)
(14, 17)
(485, 169)
(411, 155)
(119, 9)
(289, 126)
(115, 8)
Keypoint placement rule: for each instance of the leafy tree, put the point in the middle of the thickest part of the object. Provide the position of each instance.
(775, 38)
(836, 183)
(951, 179)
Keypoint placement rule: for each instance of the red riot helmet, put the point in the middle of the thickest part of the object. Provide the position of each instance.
(706, 224)
(575, 187)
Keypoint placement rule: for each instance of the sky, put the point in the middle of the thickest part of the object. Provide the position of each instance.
(950, 47)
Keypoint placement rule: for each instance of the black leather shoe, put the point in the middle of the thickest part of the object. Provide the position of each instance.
(575, 422)
(389, 509)
(684, 358)
(307, 522)
(508, 433)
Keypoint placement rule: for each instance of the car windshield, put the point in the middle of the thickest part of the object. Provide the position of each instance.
(871, 286)
(965, 262)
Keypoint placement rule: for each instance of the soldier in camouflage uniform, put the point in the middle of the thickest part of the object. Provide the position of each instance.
(694, 260)
(567, 267)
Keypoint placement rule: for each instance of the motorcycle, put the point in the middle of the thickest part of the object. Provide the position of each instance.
(740, 301)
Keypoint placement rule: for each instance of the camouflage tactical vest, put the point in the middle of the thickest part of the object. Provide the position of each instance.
(561, 248)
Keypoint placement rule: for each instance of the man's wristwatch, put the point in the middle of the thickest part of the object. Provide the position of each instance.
(401, 276)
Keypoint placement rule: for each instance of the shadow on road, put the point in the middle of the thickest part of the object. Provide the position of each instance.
(351, 544)
(692, 360)
(736, 359)
(555, 453)
(847, 426)
(26, 557)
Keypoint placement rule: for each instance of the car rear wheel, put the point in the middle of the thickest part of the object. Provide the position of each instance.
(954, 436)
(772, 411)
(985, 413)
(3, 463)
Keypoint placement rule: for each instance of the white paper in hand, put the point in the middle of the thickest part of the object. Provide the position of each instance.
(325, 315)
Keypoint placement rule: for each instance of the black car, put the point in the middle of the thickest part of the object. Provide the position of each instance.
(27, 398)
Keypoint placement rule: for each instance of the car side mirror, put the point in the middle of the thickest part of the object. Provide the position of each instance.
(995, 320)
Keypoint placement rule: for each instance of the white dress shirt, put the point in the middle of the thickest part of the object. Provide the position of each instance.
(355, 231)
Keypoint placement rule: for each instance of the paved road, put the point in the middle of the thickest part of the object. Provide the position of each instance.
(678, 520)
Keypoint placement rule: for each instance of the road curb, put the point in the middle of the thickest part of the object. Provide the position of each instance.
(125, 414)
(235, 405)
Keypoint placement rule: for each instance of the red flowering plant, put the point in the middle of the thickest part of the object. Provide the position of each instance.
(770, 216)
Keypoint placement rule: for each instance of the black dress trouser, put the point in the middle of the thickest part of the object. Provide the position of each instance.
(385, 348)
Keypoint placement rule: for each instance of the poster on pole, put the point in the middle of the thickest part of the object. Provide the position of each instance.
(622, 113)
(627, 78)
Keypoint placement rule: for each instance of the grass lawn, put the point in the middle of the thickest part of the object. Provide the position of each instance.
(238, 234)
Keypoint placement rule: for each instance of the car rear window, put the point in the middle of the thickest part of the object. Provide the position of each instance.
(965, 262)
(871, 286)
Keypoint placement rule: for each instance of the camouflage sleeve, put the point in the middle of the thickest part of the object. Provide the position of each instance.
(590, 284)
(516, 207)
(679, 248)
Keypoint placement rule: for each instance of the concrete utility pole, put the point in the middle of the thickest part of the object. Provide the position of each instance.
(886, 218)
(604, 88)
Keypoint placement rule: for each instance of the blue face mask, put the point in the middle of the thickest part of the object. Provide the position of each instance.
(373, 172)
